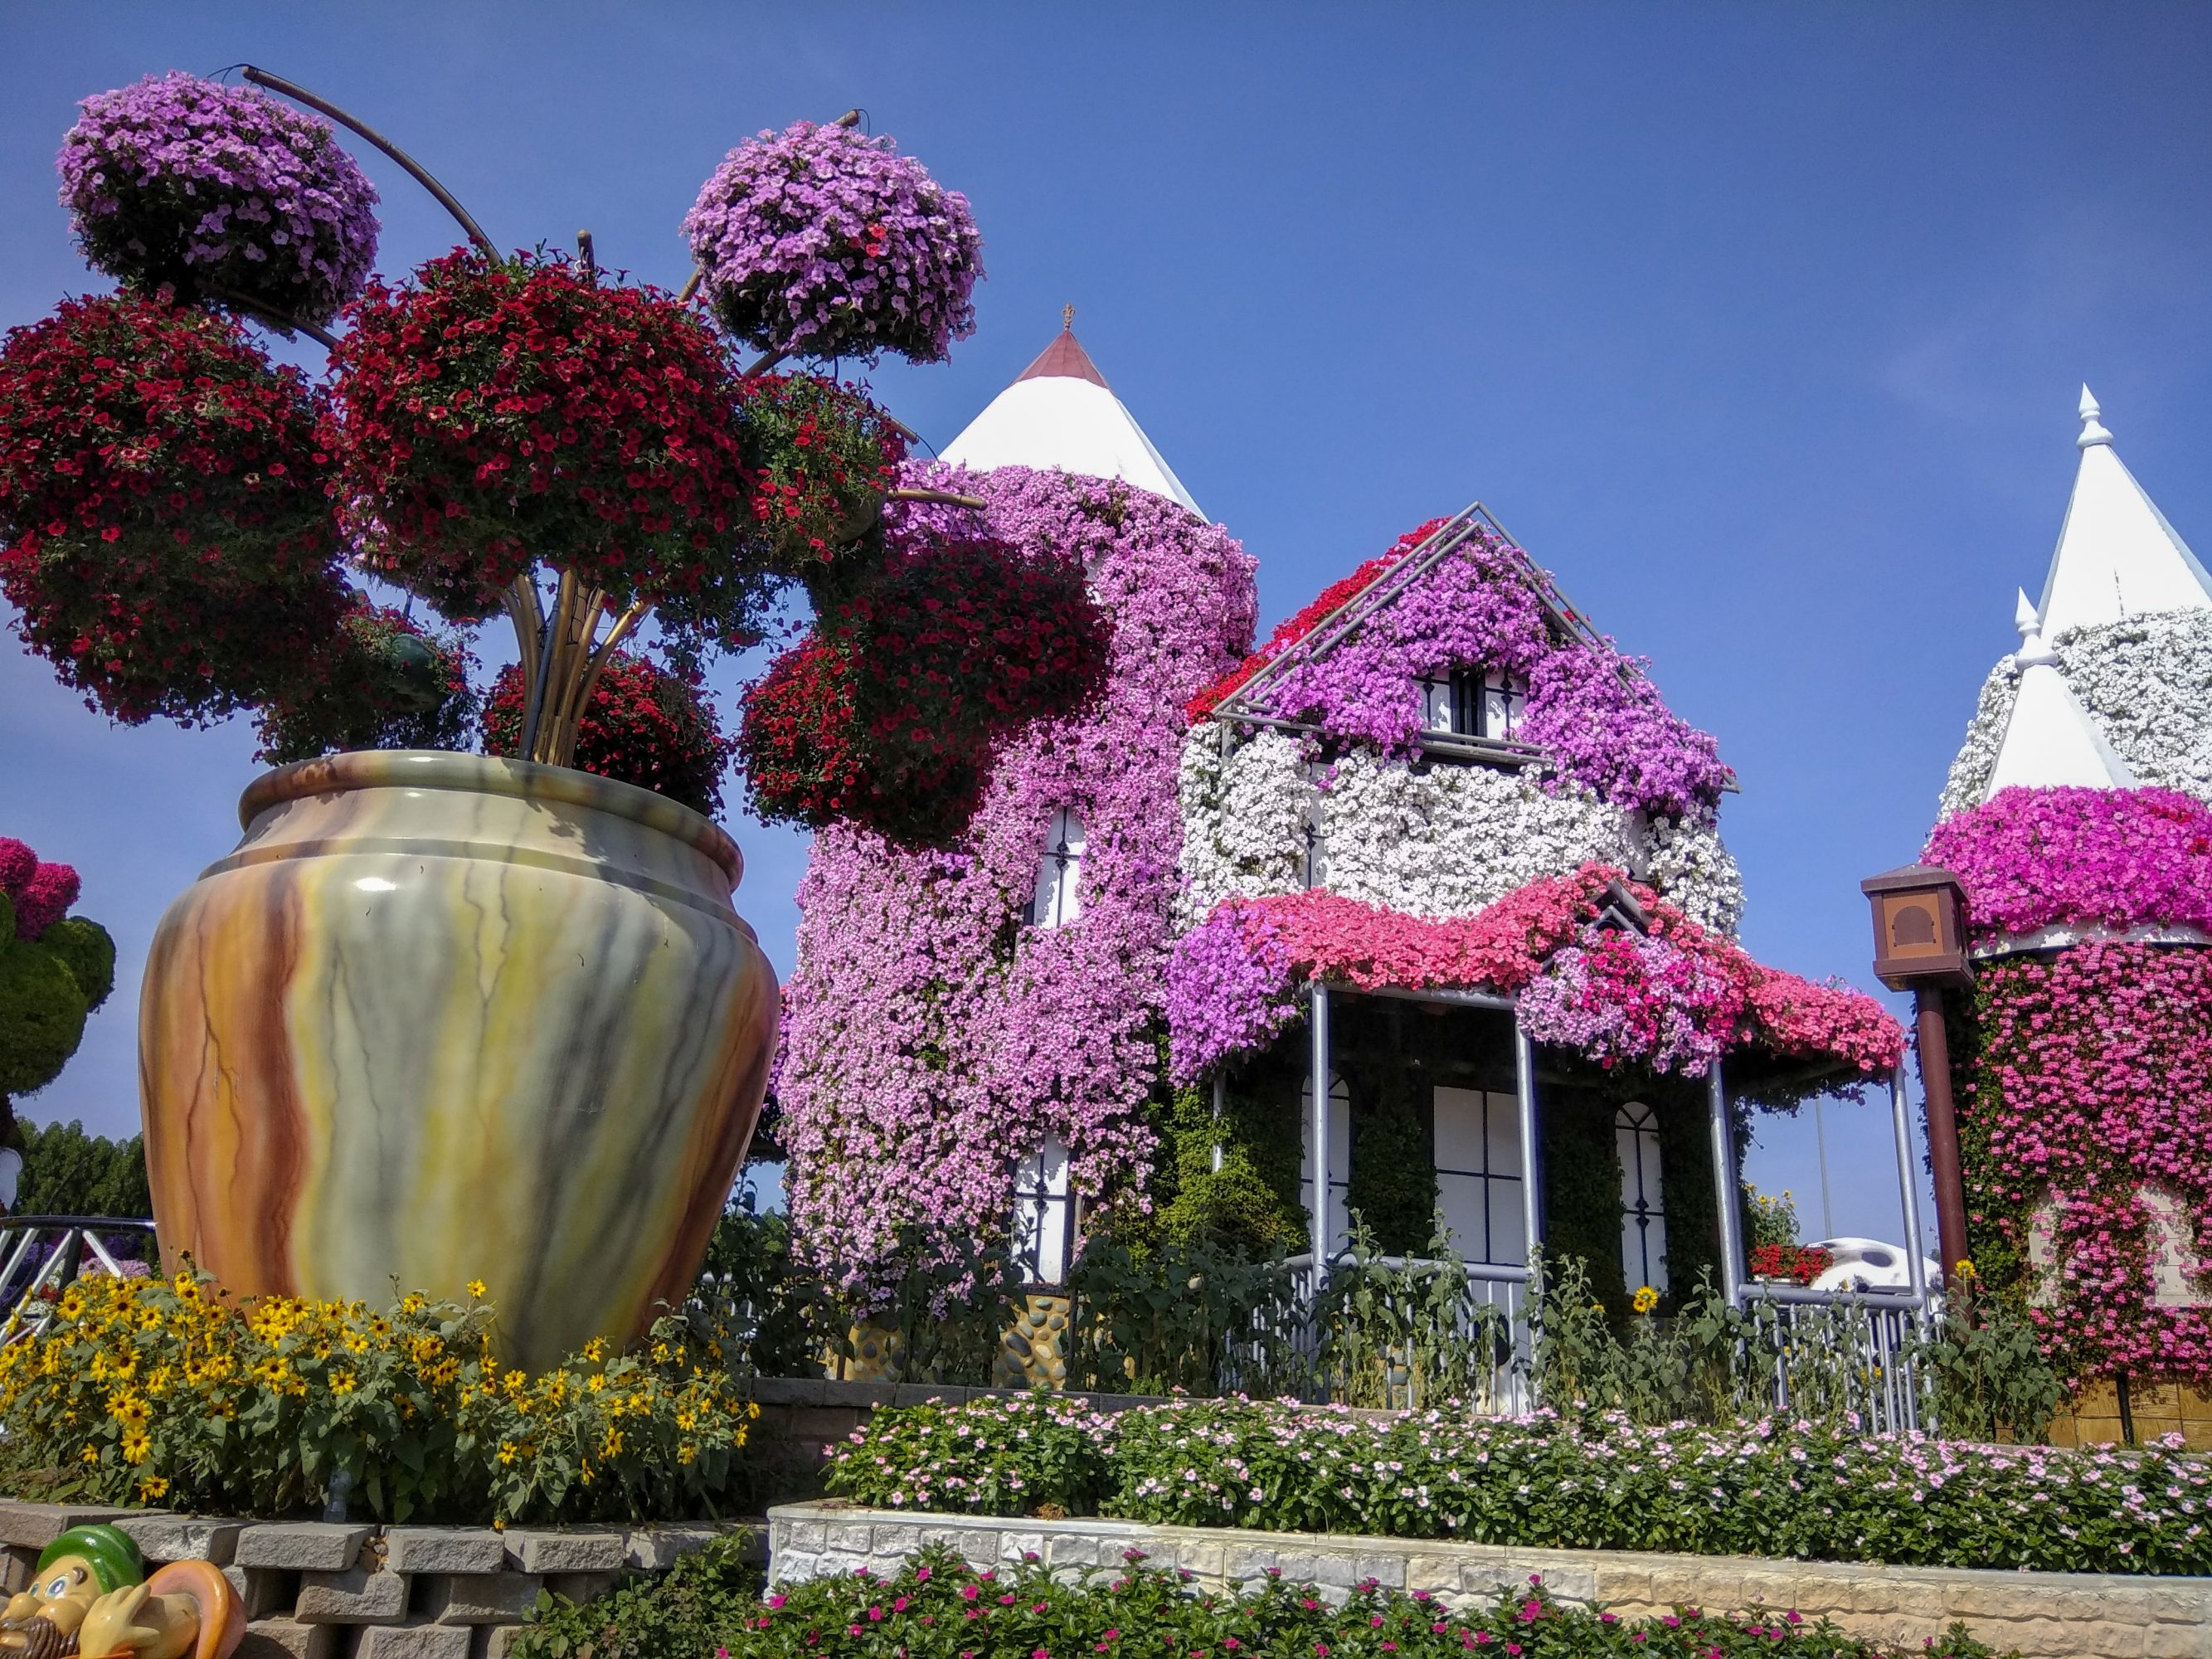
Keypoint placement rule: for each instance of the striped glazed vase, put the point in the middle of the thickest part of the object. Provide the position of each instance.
(440, 1017)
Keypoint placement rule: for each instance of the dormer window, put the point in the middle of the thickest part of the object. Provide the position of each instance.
(1059, 897)
(1476, 703)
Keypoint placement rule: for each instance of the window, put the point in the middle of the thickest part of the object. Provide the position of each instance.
(1480, 702)
(1043, 1229)
(1476, 1140)
(1643, 1218)
(1340, 1156)
(1059, 899)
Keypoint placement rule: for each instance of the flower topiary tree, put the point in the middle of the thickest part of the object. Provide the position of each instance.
(55, 968)
(517, 436)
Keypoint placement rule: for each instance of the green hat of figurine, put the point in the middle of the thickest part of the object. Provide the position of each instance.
(112, 1554)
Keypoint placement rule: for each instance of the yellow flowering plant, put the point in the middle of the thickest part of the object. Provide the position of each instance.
(143, 1390)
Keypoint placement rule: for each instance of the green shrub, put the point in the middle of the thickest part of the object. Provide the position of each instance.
(87, 952)
(938, 1607)
(42, 1011)
(703, 1602)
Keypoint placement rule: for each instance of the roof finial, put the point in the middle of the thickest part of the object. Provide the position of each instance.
(1067, 319)
(2033, 653)
(2092, 429)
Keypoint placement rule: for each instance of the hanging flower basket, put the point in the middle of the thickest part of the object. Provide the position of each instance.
(821, 242)
(164, 528)
(219, 193)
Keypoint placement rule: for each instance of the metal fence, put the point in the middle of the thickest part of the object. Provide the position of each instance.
(40, 1255)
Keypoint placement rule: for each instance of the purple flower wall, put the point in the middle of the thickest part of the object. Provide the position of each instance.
(931, 1036)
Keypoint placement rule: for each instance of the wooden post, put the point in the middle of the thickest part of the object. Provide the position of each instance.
(1942, 1130)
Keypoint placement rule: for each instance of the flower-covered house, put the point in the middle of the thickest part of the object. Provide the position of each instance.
(1448, 849)
(2078, 820)
(1436, 841)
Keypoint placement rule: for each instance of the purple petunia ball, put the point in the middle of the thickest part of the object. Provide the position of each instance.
(820, 241)
(220, 193)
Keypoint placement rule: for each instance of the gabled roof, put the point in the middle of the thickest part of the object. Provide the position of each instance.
(2048, 738)
(2116, 555)
(1061, 415)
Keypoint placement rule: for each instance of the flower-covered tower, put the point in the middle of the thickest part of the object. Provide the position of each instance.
(2078, 818)
(966, 1016)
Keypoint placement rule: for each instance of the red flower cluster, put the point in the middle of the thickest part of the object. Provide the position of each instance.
(492, 416)
(889, 712)
(822, 457)
(1291, 629)
(165, 530)
(1800, 1264)
(643, 726)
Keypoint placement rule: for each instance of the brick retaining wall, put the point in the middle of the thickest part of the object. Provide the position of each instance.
(319, 1589)
(2080, 1616)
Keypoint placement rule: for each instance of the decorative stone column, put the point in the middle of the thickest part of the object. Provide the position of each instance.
(876, 1354)
(1033, 1353)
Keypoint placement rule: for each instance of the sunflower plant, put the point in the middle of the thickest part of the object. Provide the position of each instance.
(167, 1391)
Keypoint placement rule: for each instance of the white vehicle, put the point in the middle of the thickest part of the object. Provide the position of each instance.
(1862, 1264)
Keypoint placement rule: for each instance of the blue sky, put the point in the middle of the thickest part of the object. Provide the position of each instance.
(1761, 325)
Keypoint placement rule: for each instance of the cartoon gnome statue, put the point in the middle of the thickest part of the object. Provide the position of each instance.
(91, 1599)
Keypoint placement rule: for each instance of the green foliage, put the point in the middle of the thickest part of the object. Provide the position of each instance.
(937, 1606)
(1985, 1368)
(1581, 1189)
(702, 1603)
(68, 1172)
(1408, 1334)
(7, 920)
(1011, 1454)
(1772, 1220)
(87, 952)
(1193, 1317)
(159, 1390)
(382, 683)
(778, 1317)
(1248, 1205)
(42, 1011)
(1583, 1480)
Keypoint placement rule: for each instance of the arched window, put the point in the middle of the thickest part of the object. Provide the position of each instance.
(1044, 1214)
(1474, 702)
(1059, 898)
(1643, 1217)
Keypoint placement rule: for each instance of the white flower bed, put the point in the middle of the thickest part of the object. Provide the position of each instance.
(1443, 840)
(2147, 683)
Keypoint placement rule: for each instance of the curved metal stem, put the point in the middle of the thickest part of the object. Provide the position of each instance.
(272, 317)
(416, 170)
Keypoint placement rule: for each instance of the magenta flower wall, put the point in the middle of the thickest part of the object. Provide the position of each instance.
(2109, 858)
(1607, 730)
(1675, 1000)
(930, 1037)
(2090, 1083)
(2085, 1072)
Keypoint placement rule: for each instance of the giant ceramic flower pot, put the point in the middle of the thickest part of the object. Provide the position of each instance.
(439, 1019)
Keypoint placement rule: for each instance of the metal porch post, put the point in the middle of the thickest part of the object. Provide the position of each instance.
(1900, 1119)
(1724, 1183)
(1319, 1130)
(1524, 1101)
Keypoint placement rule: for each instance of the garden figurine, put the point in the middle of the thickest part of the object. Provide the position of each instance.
(91, 1597)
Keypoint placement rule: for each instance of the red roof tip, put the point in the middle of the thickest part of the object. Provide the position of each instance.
(1065, 359)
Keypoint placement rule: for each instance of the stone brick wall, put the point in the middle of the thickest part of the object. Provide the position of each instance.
(340, 1590)
(2036, 1613)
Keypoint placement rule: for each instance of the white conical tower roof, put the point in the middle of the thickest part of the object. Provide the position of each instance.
(1060, 414)
(2117, 554)
(2050, 739)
